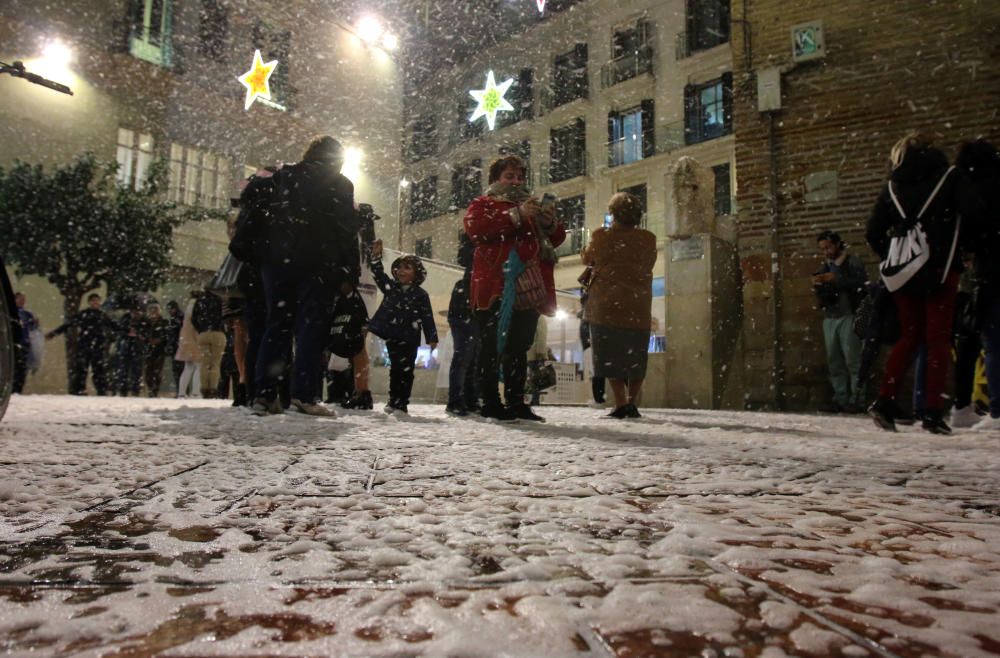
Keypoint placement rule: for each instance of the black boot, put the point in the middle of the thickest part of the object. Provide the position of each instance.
(934, 422)
(497, 411)
(360, 400)
(620, 412)
(240, 395)
(882, 412)
(524, 412)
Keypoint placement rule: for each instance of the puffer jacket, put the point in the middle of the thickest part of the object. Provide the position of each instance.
(404, 312)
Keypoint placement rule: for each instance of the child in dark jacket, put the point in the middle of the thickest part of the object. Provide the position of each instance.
(405, 310)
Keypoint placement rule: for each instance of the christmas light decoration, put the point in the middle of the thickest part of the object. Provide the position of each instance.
(491, 99)
(256, 80)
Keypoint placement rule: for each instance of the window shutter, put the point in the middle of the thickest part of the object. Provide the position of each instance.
(648, 129)
(727, 101)
(612, 120)
(691, 133)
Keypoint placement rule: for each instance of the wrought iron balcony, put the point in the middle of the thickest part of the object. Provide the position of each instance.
(628, 66)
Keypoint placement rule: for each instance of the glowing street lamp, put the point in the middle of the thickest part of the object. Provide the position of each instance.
(390, 41)
(352, 162)
(57, 54)
(369, 29)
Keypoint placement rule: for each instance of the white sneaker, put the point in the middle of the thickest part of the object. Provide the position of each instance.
(313, 409)
(964, 417)
(987, 424)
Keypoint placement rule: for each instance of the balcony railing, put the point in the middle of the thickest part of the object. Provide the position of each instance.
(576, 240)
(668, 138)
(687, 46)
(549, 174)
(627, 67)
(549, 99)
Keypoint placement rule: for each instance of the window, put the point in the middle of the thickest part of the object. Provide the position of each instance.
(630, 134)
(134, 155)
(708, 110)
(572, 213)
(723, 190)
(466, 129)
(275, 45)
(213, 29)
(150, 29)
(639, 191)
(424, 248)
(466, 183)
(631, 54)
(423, 199)
(198, 177)
(567, 151)
(707, 24)
(522, 99)
(423, 139)
(569, 76)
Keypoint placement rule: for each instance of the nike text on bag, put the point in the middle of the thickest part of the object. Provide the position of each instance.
(909, 252)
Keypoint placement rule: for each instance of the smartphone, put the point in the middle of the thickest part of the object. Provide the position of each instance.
(548, 200)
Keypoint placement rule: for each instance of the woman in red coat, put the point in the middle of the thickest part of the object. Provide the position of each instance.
(505, 219)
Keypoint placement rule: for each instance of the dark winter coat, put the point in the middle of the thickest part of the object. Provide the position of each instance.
(249, 242)
(913, 182)
(842, 296)
(979, 164)
(311, 223)
(95, 329)
(132, 330)
(207, 314)
(404, 311)
(158, 336)
(459, 308)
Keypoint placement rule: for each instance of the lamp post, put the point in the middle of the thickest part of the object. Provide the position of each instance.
(403, 184)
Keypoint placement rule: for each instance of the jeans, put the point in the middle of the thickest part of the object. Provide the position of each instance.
(92, 359)
(990, 322)
(513, 361)
(129, 371)
(463, 389)
(843, 358)
(402, 357)
(153, 373)
(297, 304)
(923, 318)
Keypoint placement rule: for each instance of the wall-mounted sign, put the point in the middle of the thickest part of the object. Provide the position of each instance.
(692, 248)
(808, 42)
(491, 99)
(256, 80)
(821, 186)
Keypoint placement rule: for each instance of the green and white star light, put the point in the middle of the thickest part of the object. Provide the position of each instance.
(491, 99)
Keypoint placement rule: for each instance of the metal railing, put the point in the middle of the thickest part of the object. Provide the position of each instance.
(549, 98)
(628, 66)
(576, 240)
(549, 174)
(669, 137)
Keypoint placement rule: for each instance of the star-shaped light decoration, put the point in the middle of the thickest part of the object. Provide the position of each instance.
(255, 80)
(541, 6)
(491, 99)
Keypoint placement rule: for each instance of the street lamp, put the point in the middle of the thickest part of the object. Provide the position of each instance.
(561, 316)
(403, 184)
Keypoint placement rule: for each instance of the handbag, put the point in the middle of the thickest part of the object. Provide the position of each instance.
(543, 376)
(224, 281)
(529, 287)
(909, 250)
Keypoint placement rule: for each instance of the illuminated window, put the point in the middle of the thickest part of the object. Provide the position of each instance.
(198, 177)
(134, 155)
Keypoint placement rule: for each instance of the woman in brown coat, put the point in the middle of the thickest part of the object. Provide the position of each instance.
(620, 301)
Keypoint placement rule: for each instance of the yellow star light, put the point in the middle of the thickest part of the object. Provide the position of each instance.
(491, 99)
(255, 80)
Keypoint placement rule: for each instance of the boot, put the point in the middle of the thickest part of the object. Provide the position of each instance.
(240, 395)
(361, 400)
(497, 411)
(882, 412)
(934, 422)
(524, 412)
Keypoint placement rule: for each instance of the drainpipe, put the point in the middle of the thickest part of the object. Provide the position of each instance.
(778, 367)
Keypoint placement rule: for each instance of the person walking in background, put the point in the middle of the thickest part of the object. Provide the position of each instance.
(463, 388)
(538, 353)
(131, 351)
(840, 284)
(157, 340)
(919, 209)
(505, 223)
(29, 324)
(597, 388)
(188, 352)
(175, 316)
(95, 331)
(979, 162)
(404, 312)
(619, 306)
(207, 321)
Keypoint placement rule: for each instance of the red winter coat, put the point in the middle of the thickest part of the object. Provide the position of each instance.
(490, 226)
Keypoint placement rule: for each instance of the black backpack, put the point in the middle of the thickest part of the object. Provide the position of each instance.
(350, 315)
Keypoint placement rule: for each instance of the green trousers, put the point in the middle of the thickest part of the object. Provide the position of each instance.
(843, 358)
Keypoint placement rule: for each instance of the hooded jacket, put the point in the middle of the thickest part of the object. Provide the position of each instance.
(405, 310)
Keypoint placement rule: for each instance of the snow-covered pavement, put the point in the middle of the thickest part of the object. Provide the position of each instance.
(136, 527)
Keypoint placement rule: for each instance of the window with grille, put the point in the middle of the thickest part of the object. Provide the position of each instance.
(708, 110)
(198, 177)
(630, 134)
(134, 156)
(572, 213)
(723, 189)
(568, 151)
(466, 183)
(150, 27)
(569, 75)
(423, 199)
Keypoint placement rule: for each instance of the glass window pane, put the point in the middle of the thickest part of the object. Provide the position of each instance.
(124, 158)
(125, 137)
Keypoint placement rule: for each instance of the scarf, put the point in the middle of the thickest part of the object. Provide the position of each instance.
(518, 194)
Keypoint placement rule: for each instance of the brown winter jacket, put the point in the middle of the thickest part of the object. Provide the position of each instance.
(621, 288)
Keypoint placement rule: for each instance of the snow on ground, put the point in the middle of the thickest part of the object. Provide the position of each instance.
(134, 527)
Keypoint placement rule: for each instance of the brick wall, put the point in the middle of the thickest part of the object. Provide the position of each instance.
(890, 67)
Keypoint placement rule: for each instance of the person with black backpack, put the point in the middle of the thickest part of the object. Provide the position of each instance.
(915, 230)
(306, 244)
